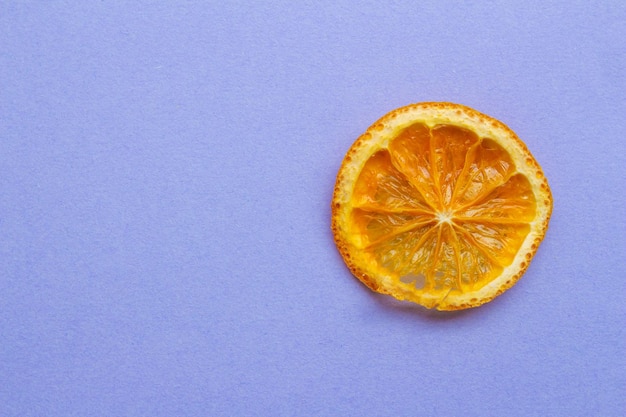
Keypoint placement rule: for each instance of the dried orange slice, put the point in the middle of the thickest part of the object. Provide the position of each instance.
(441, 205)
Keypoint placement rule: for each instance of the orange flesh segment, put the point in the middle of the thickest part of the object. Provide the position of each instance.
(441, 209)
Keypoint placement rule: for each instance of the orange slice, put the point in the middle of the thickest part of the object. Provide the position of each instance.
(441, 205)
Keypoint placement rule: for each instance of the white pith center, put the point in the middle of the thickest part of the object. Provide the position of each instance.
(444, 216)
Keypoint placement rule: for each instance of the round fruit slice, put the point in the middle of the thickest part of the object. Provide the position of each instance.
(441, 205)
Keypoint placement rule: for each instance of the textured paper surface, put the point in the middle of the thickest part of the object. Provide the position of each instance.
(166, 170)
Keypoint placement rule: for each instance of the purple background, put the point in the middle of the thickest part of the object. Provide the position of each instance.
(166, 170)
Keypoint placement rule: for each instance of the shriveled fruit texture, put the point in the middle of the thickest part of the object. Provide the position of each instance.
(441, 205)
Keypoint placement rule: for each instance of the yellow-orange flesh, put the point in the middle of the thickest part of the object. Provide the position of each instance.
(442, 209)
